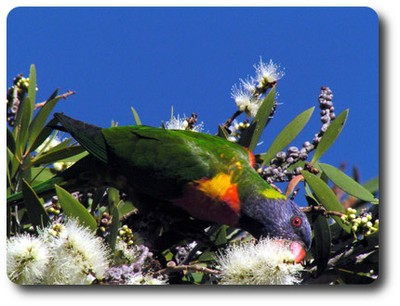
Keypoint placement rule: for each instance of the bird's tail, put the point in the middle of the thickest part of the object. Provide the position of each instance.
(89, 169)
(89, 136)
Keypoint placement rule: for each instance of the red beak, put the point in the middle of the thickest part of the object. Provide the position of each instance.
(298, 251)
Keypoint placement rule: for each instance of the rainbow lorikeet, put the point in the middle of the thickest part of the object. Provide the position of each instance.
(207, 176)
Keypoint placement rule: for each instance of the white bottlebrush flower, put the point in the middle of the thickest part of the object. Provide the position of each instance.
(249, 85)
(268, 73)
(141, 279)
(79, 256)
(178, 123)
(245, 100)
(269, 262)
(27, 259)
(124, 254)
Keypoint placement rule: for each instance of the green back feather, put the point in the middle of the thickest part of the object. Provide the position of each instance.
(159, 162)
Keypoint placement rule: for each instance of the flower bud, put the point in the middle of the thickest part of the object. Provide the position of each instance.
(364, 220)
(290, 160)
(325, 119)
(324, 127)
(280, 155)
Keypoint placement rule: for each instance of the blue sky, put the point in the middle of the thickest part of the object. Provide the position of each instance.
(153, 58)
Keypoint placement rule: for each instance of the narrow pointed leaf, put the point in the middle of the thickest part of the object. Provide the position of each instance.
(73, 208)
(10, 140)
(288, 134)
(40, 175)
(74, 158)
(44, 134)
(252, 134)
(39, 121)
(115, 224)
(347, 184)
(125, 208)
(113, 203)
(36, 212)
(220, 236)
(322, 238)
(32, 86)
(372, 185)
(21, 129)
(113, 197)
(10, 157)
(325, 196)
(58, 155)
(13, 164)
(330, 135)
(322, 242)
(136, 116)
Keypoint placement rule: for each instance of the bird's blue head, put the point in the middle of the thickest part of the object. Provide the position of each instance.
(277, 218)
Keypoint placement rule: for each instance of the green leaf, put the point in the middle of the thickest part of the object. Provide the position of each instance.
(44, 134)
(113, 196)
(39, 121)
(10, 141)
(322, 242)
(326, 197)
(115, 225)
(53, 156)
(21, 129)
(322, 238)
(288, 134)
(347, 184)
(372, 185)
(40, 175)
(136, 116)
(10, 185)
(253, 133)
(73, 208)
(330, 135)
(32, 86)
(36, 212)
(220, 235)
(12, 164)
(126, 207)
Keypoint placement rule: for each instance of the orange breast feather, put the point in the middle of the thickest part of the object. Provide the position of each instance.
(214, 199)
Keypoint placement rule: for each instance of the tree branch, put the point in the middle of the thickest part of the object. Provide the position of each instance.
(62, 96)
(171, 268)
(322, 210)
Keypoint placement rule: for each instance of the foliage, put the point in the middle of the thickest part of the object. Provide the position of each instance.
(343, 212)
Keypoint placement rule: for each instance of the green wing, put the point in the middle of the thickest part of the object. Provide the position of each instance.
(159, 162)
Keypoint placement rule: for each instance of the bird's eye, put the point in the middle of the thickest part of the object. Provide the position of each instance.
(296, 221)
